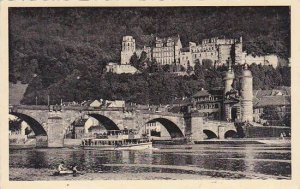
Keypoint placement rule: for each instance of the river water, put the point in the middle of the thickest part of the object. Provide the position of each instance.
(207, 161)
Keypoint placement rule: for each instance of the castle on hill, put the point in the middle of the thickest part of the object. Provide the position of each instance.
(169, 51)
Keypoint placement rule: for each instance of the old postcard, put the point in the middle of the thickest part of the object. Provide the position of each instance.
(202, 94)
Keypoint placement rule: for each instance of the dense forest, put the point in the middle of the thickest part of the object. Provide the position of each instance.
(159, 87)
(62, 52)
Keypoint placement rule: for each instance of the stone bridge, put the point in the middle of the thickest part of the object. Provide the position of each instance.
(50, 126)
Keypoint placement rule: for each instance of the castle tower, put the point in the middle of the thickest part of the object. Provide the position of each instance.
(228, 78)
(246, 95)
(128, 48)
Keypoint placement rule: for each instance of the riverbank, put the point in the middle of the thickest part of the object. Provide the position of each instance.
(31, 174)
(278, 141)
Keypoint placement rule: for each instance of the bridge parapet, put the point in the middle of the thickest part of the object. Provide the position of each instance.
(82, 108)
(217, 122)
(165, 114)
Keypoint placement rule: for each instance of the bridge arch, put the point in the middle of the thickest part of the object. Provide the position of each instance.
(230, 134)
(107, 123)
(36, 126)
(172, 128)
(210, 134)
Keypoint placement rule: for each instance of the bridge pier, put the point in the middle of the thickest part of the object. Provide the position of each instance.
(41, 141)
(221, 132)
(55, 127)
(197, 128)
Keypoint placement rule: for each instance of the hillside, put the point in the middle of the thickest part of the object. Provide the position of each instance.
(59, 45)
(16, 92)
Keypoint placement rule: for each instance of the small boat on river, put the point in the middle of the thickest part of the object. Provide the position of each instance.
(117, 140)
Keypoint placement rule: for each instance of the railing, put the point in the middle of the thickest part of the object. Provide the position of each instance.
(86, 108)
(82, 108)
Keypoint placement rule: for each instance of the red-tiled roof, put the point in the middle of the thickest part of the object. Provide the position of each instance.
(272, 101)
(272, 92)
(201, 93)
(275, 97)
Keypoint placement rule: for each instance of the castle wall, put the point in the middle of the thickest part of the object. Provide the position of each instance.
(119, 69)
(224, 54)
(238, 53)
(185, 59)
(217, 50)
(164, 55)
(263, 60)
(167, 51)
(271, 60)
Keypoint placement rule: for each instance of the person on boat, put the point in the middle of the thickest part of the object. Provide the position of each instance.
(75, 171)
(61, 167)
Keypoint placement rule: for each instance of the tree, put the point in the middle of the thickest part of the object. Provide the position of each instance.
(166, 68)
(270, 113)
(134, 61)
(153, 66)
(143, 57)
(207, 63)
(189, 68)
(199, 71)
(49, 42)
(182, 68)
(15, 125)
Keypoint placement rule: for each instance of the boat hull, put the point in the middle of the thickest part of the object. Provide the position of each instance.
(140, 146)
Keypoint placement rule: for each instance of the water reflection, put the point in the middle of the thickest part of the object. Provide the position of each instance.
(244, 161)
(249, 160)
